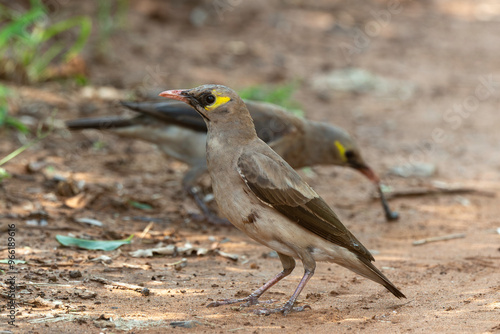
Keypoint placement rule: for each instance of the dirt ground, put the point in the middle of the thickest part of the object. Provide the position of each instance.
(443, 112)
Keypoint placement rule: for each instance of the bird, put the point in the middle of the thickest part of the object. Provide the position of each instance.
(263, 196)
(180, 132)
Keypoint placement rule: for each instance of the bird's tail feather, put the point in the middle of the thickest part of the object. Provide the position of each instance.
(368, 270)
(172, 112)
(140, 106)
(100, 123)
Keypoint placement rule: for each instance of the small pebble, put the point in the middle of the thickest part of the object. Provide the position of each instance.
(75, 274)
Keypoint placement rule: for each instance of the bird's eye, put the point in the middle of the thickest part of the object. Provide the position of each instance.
(209, 99)
(349, 155)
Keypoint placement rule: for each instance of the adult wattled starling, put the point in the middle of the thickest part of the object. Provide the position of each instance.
(180, 132)
(263, 196)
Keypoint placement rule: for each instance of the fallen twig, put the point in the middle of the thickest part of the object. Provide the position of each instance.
(120, 285)
(49, 263)
(442, 238)
(48, 284)
(183, 260)
(146, 230)
(135, 266)
(437, 191)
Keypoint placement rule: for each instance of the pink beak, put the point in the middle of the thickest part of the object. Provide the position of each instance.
(368, 172)
(175, 95)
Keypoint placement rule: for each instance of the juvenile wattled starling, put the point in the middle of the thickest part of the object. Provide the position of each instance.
(180, 132)
(263, 196)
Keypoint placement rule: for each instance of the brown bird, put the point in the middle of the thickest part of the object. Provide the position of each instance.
(263, 196)
(180, 132)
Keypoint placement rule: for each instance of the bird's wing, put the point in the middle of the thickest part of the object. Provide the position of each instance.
(173, 112)
(272, 122)
(276, 184)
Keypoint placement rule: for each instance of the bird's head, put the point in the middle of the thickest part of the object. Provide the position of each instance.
(348, 153)
(213, 102)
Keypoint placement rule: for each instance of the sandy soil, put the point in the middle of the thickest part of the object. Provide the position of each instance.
(445, 51)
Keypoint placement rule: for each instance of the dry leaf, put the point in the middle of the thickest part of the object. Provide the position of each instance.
(79, 201)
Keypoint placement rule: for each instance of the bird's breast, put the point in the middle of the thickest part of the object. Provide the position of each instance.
(258, 220)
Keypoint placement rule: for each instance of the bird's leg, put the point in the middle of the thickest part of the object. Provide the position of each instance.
(389, 215)
(253, 299)
(309, 267)
(190, 178)
(288, 307)
(208, 214)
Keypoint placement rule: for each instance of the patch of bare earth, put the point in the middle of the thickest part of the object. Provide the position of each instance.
(444, 49)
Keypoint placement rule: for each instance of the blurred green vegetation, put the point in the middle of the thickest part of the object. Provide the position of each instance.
(28, 42)
(111, 16)
(36, 46)
(5, 119)
(39, 136)
(3, 174)
(281, 95)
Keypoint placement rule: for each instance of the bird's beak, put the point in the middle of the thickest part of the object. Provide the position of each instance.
(177, 94)
(369, 173)
(183, 95)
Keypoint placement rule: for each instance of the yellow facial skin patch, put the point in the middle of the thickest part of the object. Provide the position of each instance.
(341, 149)
(219, 100)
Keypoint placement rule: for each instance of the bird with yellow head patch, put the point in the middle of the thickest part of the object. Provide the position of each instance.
(263, 196)
(180, 133)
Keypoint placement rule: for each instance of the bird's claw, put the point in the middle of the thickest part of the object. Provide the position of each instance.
(285, 310)
(224, 302)
(248, 301)
(256, 302)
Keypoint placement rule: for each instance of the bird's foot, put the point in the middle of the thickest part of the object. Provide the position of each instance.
(247, 301)
(287, 308)
(212, 219)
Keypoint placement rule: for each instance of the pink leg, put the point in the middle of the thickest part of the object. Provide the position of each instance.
(288, 307)
(288, 266)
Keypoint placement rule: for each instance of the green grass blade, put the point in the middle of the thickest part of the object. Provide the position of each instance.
(38, 66)
(18, 27)
(82, 22)
(23, 148)
(16, 124)
(140, 206)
